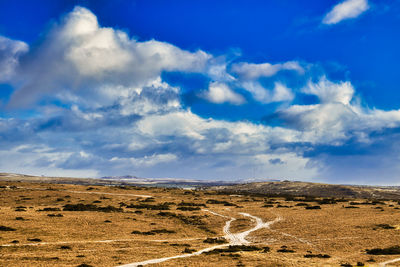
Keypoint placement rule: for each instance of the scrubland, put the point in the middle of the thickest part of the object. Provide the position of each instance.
(44, 224)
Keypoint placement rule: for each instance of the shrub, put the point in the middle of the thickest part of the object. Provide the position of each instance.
(302, 204)
(90, 207)
(268, 206)
(285, 250)
(50, 209)
(188, 250)
(153, 232)
(55, 215)
(313, 208)
(327, 201)
(385, 226)
(236, 248)
(321, 256)
(191, 204)
(394, 250)
(218, 240)
(188, 208)
(223, 202)
(6, 228)
(163, 206)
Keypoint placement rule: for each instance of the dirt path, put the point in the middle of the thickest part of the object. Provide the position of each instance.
(388, 262)
(234, 239)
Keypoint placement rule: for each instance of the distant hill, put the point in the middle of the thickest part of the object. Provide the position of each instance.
(290, 188)
(115, 181)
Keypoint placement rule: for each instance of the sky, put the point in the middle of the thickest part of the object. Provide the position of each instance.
(212, 90)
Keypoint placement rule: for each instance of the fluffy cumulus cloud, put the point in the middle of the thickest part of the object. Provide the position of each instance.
(221, 93)
(10, 51)
(251, 71)
(347, 9)
(78, 54)
(99, 105)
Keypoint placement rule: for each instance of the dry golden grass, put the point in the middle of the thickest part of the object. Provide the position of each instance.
(105, 238)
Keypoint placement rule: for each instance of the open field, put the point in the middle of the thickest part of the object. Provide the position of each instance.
(45, 224)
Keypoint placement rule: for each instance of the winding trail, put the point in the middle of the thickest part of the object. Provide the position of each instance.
(234, 239)
(388, 262)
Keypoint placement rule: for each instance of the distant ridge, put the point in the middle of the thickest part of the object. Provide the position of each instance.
(295, 188)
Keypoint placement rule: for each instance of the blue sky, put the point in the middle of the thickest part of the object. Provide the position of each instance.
(201, 89)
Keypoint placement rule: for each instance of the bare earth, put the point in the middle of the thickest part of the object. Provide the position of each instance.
(42, 224)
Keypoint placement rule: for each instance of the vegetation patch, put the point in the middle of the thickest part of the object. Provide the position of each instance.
(220, 202)
(162, 206)
(90, 207)
(313, 208)
(188, 250)
(190, 204)
(384, 226)
(154, 232)
(284, 249)
(6, 228)
(49, 209)
(237, 248)
(218, 240)
(394, 250)
(55, 215)
(320, 256)
(188, 208)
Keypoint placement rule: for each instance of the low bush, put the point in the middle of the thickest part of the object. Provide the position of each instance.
(384, 226)
(223, 202)
(55, 215)
(321, 256)
(189, 204)
(49, 209)
(154, 232)
(394, 250)
(268, 206)
(162, 206)
(188, 250)
(184, 208)
(218, 240)
(313, 208)
(237, 248)
(6, 228)
(90, 207)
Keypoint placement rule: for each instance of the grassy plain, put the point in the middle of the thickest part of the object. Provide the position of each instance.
(44, 224)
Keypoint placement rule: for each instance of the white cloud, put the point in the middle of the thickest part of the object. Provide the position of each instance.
(253, 71)
(278, 94)
(10, 51)
(79, 56)
(329, 92)
(347, 9)
(120, 117)
(221, 93)
(146, 161)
